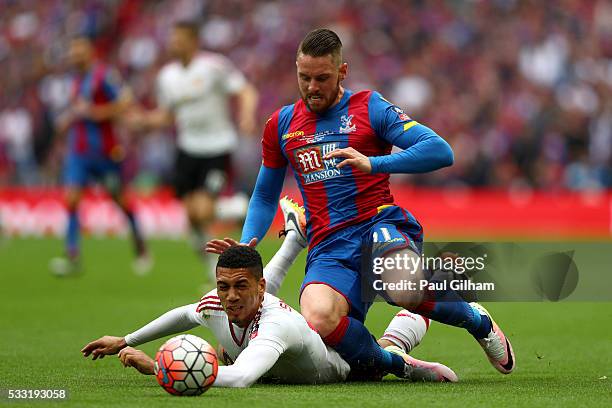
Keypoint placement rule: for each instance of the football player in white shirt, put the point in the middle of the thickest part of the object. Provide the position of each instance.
(259, 332)
(194, 92)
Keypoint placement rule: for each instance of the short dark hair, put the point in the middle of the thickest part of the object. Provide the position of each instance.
(242, 256)
(322, 42)
(188, 25)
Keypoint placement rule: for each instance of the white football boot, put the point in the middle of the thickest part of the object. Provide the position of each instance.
(496, 345)
(295, 220)
(423, 371)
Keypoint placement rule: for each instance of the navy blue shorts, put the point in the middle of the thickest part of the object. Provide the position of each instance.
(337, 260)
(79, 171)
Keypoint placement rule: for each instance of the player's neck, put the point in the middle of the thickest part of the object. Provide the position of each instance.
(188, 57)
(338, 97)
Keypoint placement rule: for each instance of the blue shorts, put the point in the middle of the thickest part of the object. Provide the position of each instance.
(337, 261)
(81, 170)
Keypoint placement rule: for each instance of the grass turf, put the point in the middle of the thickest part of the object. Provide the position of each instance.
(564, 350)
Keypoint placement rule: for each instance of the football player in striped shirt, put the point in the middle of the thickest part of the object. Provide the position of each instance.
(338, 144)
(93, 150)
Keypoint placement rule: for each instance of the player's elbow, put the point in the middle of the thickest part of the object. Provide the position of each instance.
(447, 158)
(245, 380)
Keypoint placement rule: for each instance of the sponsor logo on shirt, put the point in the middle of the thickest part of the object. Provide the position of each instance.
(313, 167)
(293, 134)
(347, 125)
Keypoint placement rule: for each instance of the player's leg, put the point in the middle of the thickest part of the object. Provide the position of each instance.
(75, 178)
(294, 242)
(185, 182)
(73, 230)
(200, 208)
(394, 238)
(201, 181)
(109, 172)
(331, 302)
(405, 331)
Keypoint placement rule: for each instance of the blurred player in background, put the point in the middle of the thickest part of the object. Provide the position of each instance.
(338, 143)
(194, 93)
(93, 150)
(259, 333)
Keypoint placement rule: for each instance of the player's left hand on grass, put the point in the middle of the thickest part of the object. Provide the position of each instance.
(104, 346)
(352, 158)
(131, 357)
(218, 246)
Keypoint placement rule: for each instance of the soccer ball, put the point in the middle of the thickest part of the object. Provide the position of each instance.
(186, 365)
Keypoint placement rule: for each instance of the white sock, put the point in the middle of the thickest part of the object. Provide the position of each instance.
(406, 330)
(279, 265)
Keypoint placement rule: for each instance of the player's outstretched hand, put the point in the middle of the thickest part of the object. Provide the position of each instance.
(131, 357)
(104, 346)
(351, 158)
(218, 246)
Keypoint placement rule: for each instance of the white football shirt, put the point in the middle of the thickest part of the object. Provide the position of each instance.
(304, 358)
(198, 95)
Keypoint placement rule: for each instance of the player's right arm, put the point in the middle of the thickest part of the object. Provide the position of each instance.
(175, 321)
(252, 363)
(274, 337)
(264, 200)
(159, 118)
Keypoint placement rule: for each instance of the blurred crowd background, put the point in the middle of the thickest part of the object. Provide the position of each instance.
(522, 90)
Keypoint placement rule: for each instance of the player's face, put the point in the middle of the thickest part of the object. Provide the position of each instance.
(240, 293)
(182, 43)
(80, 53)
(319, 81)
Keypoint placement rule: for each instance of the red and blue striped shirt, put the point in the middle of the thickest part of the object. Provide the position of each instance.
(336, 198)
(98, 86)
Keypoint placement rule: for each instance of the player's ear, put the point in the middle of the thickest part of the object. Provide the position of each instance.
(261, 286)
(343, 71)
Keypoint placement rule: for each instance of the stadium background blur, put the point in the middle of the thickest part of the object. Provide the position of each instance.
(520, 89)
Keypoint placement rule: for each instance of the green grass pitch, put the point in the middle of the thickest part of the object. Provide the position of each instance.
(564, 350)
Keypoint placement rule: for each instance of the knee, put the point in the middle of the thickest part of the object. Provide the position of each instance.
(200, 208)
(323, 319)
(323, 308)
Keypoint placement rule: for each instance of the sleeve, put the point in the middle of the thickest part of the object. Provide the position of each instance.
(111, 84)
(277, 333)
(175, 321)
(269, 184)
(423, 149)
(231, 79)
(273, 338)
(163, 98)
(272, 155)
(263, 204)
(254, 361)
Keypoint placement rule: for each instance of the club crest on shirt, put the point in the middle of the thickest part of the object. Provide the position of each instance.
(400, 113)
(313, 168)
(347, 125)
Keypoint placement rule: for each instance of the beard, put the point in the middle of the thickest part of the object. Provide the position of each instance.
(322, 107)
